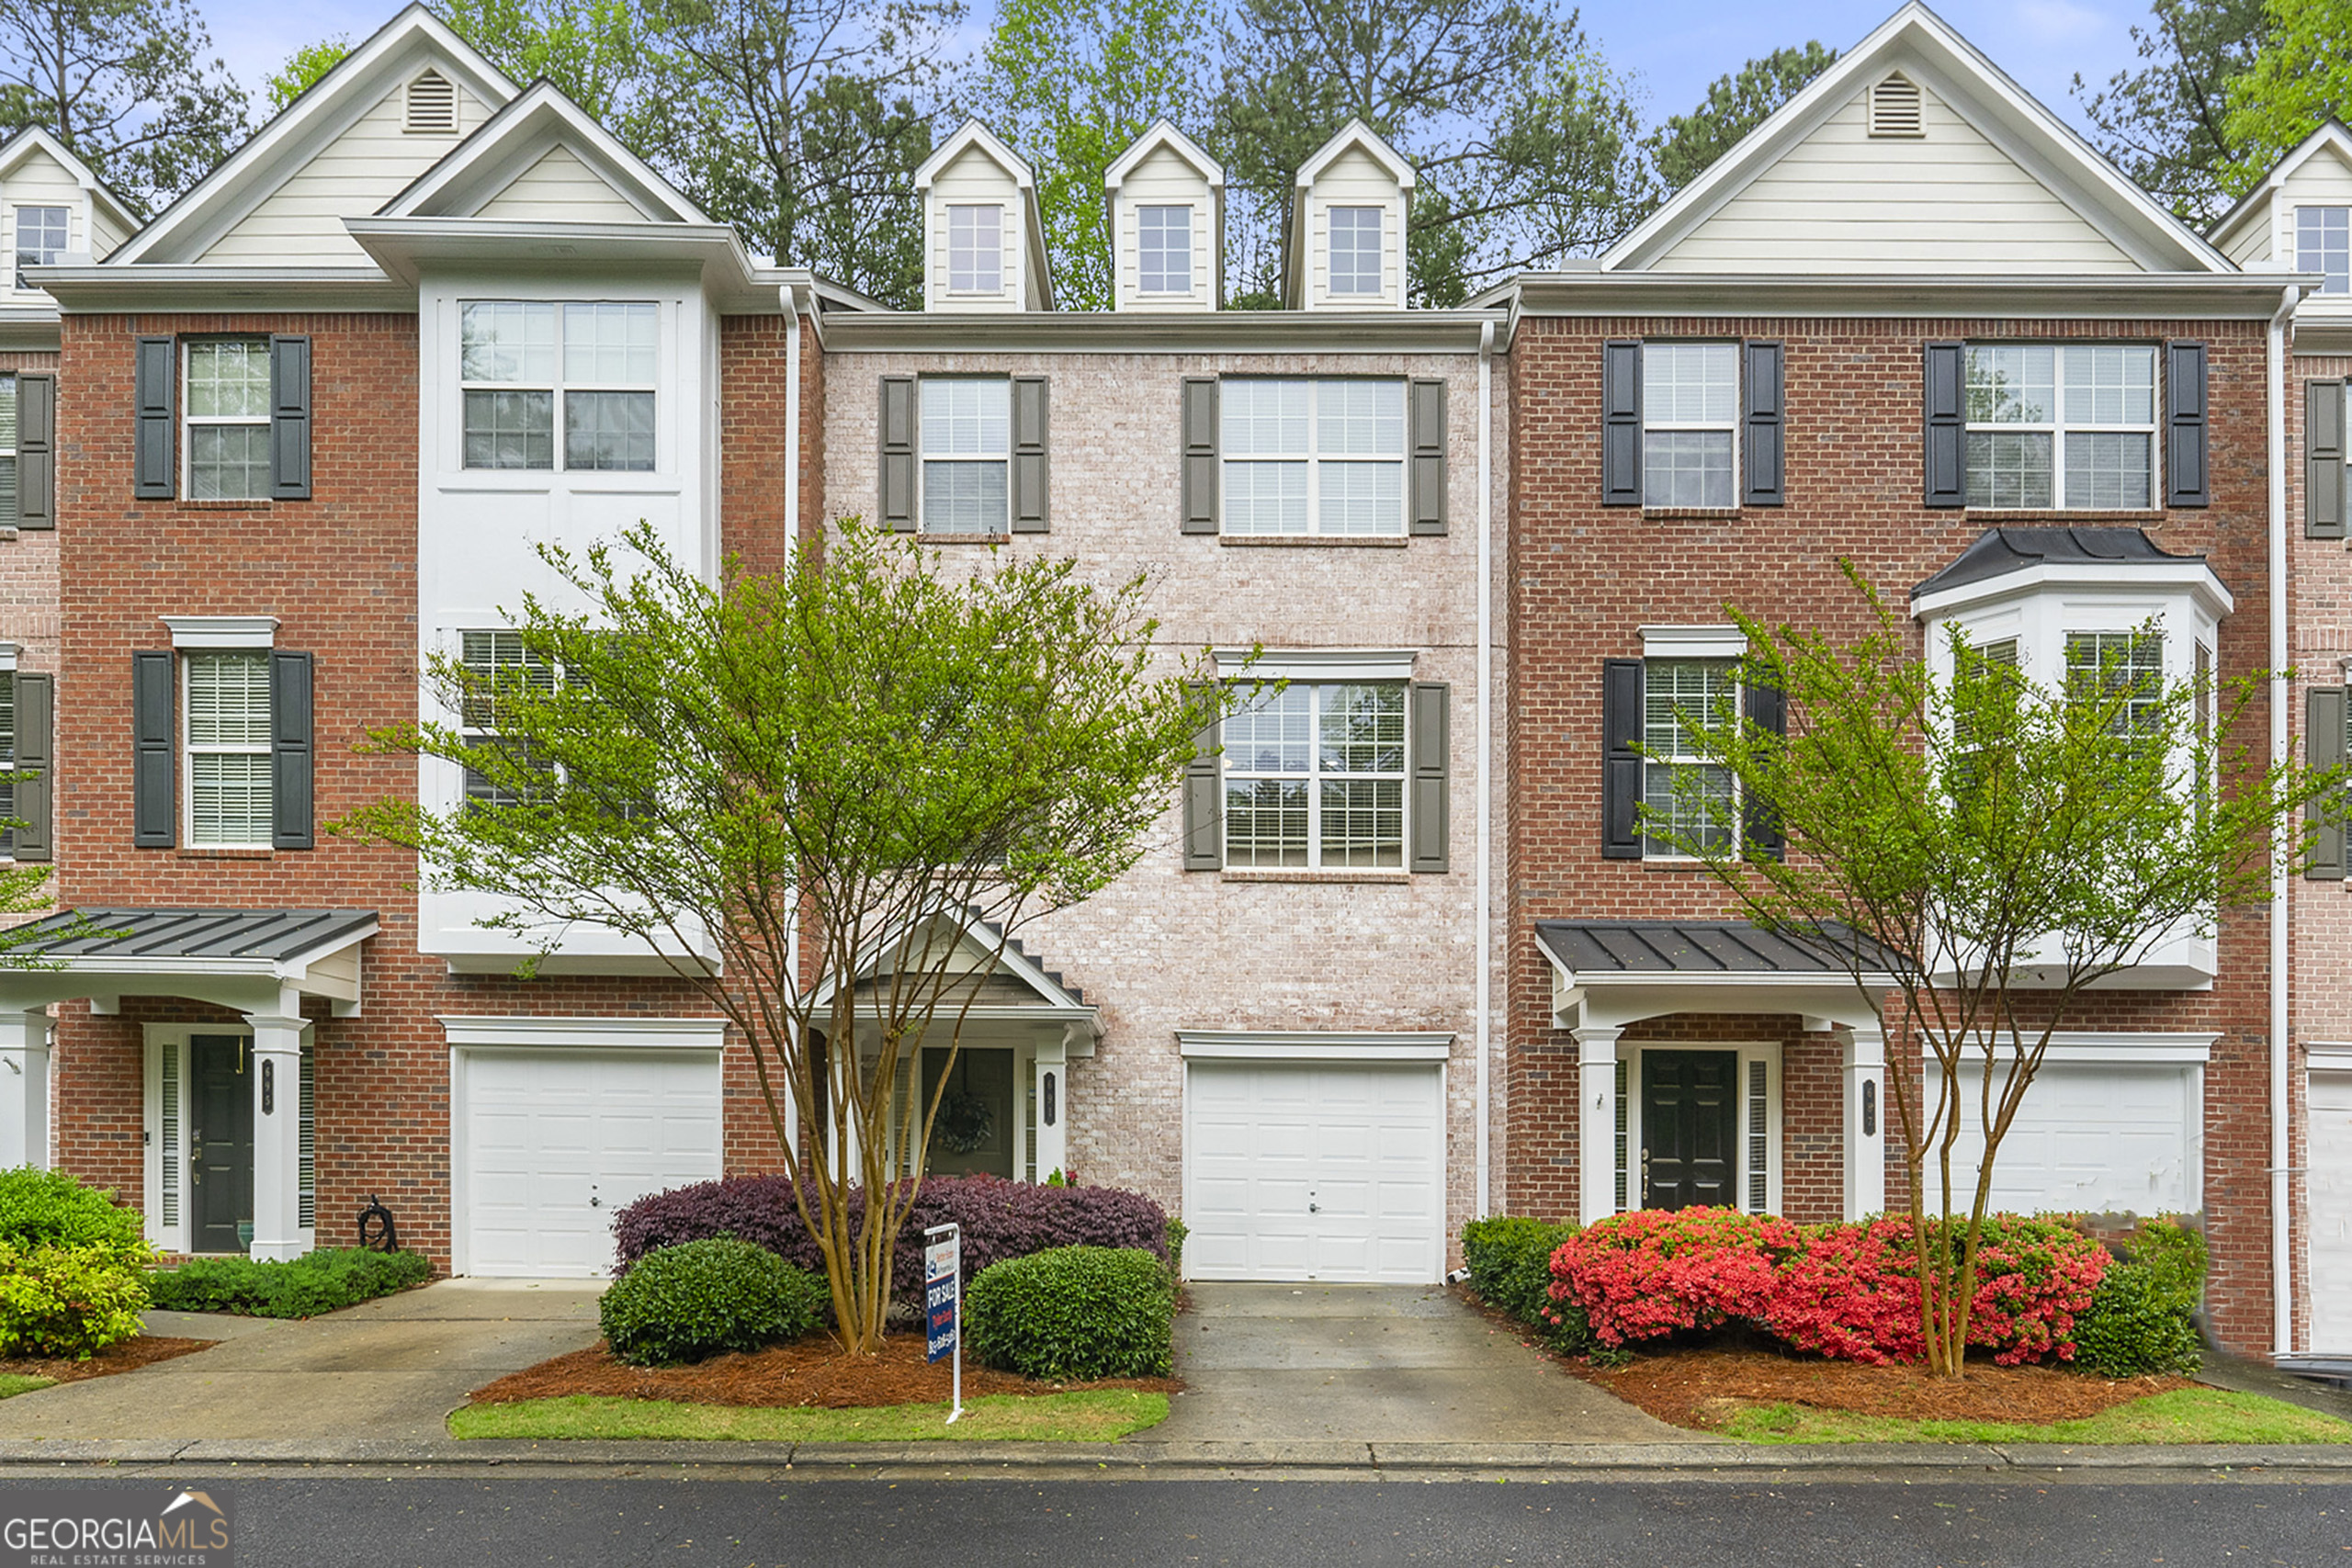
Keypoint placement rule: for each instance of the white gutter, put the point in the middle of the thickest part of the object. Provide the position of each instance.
(2282, 1261)
(1486, 741)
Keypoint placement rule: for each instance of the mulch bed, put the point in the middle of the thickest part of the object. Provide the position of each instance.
(812, 1372)
(140, 1351)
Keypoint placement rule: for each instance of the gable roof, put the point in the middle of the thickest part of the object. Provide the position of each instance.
(33, 139)
(513, 141)
(1163, 134)
(1040, 989)
(1355, 134)
(282, 148)
(2332, 136)
(1929, 53)
(971, 134)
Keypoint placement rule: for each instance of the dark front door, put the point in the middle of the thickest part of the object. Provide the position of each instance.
(1690, 1128)
(221, 1140)
(974, 1133)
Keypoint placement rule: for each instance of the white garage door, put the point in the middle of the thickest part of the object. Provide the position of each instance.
(1330, 1171)
(2092, 1138)
(2330, 1187)
(552, 1144)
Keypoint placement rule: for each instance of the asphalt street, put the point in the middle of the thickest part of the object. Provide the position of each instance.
(514, 1522)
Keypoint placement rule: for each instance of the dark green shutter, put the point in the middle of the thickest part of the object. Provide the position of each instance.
(150, 467)
(1762, 455)
(36, 453)
(2323, 460)
(290, 750)
(1760, 833)
(1621, 759)
(1945, 435)
(2187, 480)
(36, 761)
(289, 419)
(1425, 436)
(1431, 826)
(1198, 440)
(1620, 423)
(1030, 425)
(155, 822)
(2322, 749)
(897, 476)
(1204, 796)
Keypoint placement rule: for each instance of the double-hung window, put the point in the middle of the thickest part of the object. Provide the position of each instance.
(227, 446)
(966, 454)
(2070, 425)
(226, 698)
(2324, 245)
(2128, 664)
(1164, 250)
(1690, 414)
(589, 366)
(1315, 779)
(498, 662)
(976, 248)
(1686, 798)
(8, 446)
(40, 239)
(1355, 251)
(1324, 457)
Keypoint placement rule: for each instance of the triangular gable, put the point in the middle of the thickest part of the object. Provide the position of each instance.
(971, 135)
(339, 150)
(2243, 232)
(1995, 183)
(32, 142)
(542, 157)
(1356, 136)
(1164, 136)
(1015, 977)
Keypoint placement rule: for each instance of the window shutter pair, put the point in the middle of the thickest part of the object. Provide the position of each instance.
(902, 460)
(2323, 460)
(155, 750)
(1763, 419)
(1944, 439)
(155, 375)
(36, 464)
(2324, 718)
(1621, 698)
(1425, 479)
(36, 763)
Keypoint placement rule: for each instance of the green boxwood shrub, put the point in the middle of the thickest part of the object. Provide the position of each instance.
(71, 1265)
(1509, 1260)
(326, 1280)
(49, 1207)
(692, 1300)
(2143, 1318)
(1074, 1314)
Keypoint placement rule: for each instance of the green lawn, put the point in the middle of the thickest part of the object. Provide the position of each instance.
(1084, 1417)
(2184, 1415)
(12, 1384)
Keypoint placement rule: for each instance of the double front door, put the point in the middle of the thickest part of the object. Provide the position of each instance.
(221, 1140)
(1690, 1128)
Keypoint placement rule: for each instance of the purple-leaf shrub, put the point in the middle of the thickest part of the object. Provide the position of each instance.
(1001, 1219)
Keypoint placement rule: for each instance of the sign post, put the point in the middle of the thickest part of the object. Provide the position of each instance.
(943, 1302)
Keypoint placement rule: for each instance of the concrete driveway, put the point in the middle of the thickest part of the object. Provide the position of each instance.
(1375, 1363)
(390, 1369)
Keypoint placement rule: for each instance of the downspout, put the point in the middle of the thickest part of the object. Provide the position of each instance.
(2281, 886)
(1486, 747)
(792, 541)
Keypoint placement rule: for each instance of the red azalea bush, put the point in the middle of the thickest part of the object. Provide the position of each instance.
(1654, 1272)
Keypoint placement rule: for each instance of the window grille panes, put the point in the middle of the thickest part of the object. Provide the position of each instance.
(2324, 245)
(1164, 250)
(7, 446)
(1690, 406)
(1759, 1138)
(608, 430)
(520, 358)
(2070, 425)
(2120, 662)
(507, 341)
(976, 249)
(499, 664)
(609, 343)
(1624, 1119)
(168, 1113)
(40, 239)
(228, 419)
(1324, 457)
(967, 449)
(1355, 251)
(227, 749)
(1315, 777)
(1691, 798)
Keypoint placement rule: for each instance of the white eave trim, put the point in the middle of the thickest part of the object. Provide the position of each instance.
(2119, 1048)
(587, 1033)
(2230, 296)
(1163, 134)
(1313, 1045)
(114, 287)
(1693, 642)
(1189, 332)
(2129, 580)
(1316, 664)
(222, 631)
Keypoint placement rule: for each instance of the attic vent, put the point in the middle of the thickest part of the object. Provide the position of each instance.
(432, 106)
(1894, 109)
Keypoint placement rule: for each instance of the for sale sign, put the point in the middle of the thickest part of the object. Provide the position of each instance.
(942, 1293)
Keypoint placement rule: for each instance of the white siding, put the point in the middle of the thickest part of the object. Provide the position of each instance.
(40, 180)
(2252, 241)
(1166, 179)
(2322, 180)
(1354, 179)
(301, 221)
(1844, 201)
(559, 188)
(973, 178)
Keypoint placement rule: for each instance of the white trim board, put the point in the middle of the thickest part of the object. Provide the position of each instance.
(1307, 664)
(586, 1033)
(1313, 1045)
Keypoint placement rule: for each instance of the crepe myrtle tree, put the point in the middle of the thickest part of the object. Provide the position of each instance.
(795, 788)
(1994, 844)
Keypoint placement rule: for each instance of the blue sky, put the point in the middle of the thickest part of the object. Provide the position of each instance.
(1674, 47)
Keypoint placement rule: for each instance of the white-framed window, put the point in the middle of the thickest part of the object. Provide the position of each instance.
(495, 658)
(1323, 456)
(2061, 424)
(2131, 662)
(41, 238)
(519, 359)
(2324, 245)
(7, 446)
(1706, 690)
(1690, 423)
(1164, 250)
(226, 446)
(966, 425)
(1355, 251)
(1314, 778)
(976, 248)
(226, 732)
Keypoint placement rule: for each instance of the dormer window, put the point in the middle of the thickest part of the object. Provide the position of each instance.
(432, 106)
(2323, 245)
(1896, 109)
(976, 249)
(40, 239)
(1164, 250)
(1355, 251)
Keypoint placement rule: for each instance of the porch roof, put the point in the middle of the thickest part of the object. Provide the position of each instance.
(254, 960)
(1609, 973)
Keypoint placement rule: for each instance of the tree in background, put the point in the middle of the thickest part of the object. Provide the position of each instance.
(593, 50)
(2302, 78)
(125, 84)
(2164, 124)
(1072, 84)
(1686, 144)
(302, 70)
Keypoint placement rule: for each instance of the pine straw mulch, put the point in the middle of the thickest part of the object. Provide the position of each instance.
(130, 1355)
(1703, 1383)
(811, 1373)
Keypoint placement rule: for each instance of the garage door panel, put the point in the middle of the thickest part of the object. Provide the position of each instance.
(2090, 1138)
(2331, 1211)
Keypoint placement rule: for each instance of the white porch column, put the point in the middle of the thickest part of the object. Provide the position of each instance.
(1051, 1071)
(1865, 1120)
(23, 1088)
(277, 1136)
(1596, 1122)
